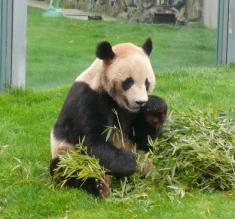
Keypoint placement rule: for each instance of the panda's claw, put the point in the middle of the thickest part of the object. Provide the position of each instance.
(103, 188)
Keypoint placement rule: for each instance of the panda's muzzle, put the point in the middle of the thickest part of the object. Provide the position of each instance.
(134, 108)
(141, 103)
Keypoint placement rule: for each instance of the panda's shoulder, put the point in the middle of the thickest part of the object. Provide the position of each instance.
(81, 95)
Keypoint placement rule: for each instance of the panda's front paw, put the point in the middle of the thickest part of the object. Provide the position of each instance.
(155, 105)
(102, 189)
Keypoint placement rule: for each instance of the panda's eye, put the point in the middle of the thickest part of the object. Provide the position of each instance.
(127, 83)
(147, 84)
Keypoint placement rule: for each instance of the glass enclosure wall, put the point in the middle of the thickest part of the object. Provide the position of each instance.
(61, 43)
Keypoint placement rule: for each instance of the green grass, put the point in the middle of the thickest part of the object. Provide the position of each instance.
(58, 49)
(25, 122)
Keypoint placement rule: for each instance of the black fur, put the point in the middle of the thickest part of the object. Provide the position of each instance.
(104, 51)
(87, 113)
(148, 46)
(147, 84)
(91, 185)
(156, 107)
(127, 84)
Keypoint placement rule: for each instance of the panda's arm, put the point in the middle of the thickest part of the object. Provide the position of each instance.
(141, 132)
(98, 115)
(149, 122)
(118, 162)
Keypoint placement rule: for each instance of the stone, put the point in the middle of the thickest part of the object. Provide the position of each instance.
(147, 11)
(138, 4)
(123, 15)
(147, 4)
(143, 17)
(194, 10)
(130, 3)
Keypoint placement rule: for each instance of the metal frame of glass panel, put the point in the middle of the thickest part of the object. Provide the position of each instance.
(5, 42)
(13, 15)
(226, 32)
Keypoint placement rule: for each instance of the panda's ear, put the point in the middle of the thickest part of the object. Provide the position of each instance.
(104, 51)
(148, 46)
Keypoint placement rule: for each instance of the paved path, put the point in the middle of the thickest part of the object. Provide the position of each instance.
(75, 14)
(38, 4)
(69, 13)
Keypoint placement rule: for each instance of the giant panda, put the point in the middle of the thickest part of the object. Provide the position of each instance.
(121, 78)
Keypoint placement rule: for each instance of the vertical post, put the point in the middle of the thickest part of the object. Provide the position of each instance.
(5, 42)
(19, 43)
(12, 43)
(231, 33)
(222, 32)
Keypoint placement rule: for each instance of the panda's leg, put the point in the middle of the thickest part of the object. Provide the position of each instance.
(91, 185)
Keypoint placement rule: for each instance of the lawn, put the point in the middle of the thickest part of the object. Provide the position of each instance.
(57, 49)
(60, 48)
(25, 122)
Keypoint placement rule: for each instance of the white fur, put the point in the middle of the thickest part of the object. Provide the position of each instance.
(58, 147)
(130, 61)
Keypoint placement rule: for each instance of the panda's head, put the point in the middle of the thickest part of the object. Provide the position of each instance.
(127, 75)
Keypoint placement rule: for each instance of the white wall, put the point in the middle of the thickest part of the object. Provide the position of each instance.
(210, 11)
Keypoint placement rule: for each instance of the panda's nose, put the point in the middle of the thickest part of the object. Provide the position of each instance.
(141, 103)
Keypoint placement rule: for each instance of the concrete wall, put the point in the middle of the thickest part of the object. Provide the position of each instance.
(210, 12)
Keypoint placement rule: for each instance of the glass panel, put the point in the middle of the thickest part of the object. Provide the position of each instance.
(59, 48)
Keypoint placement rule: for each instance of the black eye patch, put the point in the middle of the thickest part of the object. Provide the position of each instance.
(147, 84)
(127, 83)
